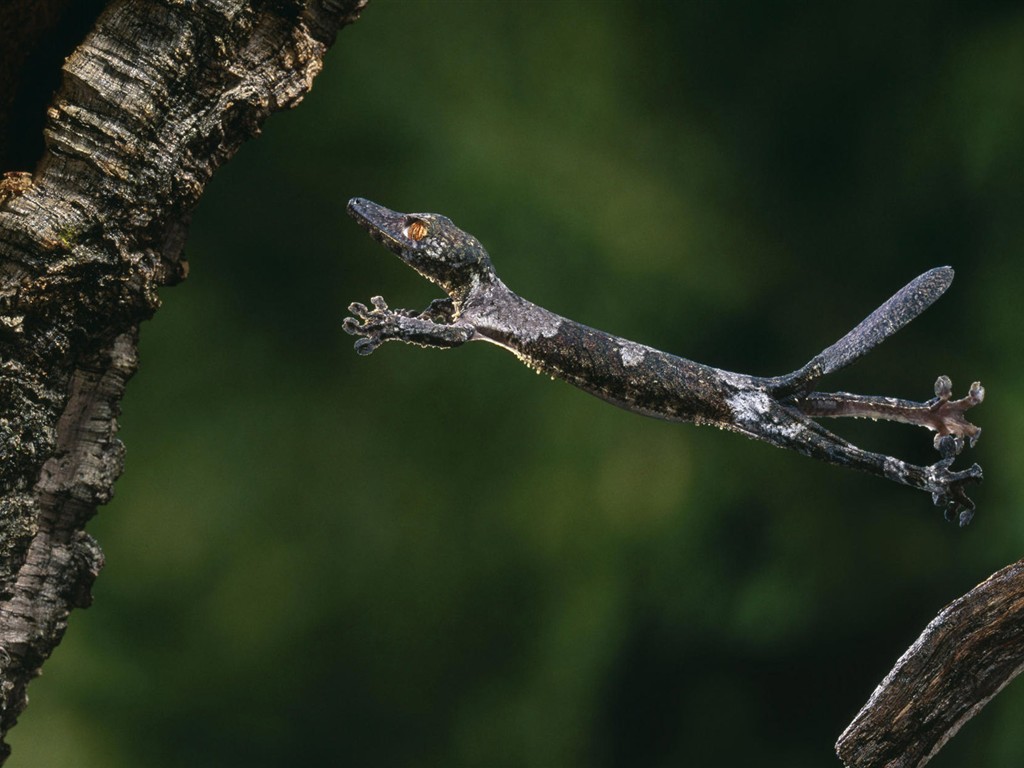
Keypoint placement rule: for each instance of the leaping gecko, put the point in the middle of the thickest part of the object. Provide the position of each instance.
(780, 410)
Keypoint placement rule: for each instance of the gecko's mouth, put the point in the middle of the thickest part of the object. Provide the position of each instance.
(384, 225)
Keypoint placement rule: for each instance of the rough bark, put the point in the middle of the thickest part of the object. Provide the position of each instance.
(964, 657)
(156, 98)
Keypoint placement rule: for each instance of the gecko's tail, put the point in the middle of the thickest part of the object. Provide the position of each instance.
(906, 304)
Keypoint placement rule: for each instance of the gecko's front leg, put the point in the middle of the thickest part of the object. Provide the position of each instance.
(433, 327)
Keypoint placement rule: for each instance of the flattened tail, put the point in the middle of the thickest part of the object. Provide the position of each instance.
(906, 304)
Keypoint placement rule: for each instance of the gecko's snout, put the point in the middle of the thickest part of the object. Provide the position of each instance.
(370, 214)
(356, 207)
(383, 225)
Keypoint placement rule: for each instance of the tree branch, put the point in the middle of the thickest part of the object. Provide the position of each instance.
(964, 657)
(157, 97)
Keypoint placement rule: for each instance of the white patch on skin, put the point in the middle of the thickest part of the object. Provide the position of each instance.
(537, 322)
(529, 323)
(752, 409)
(894, 469)
(792, 429)
(749, 406)
(632, 354)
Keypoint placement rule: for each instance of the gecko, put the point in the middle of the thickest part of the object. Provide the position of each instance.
(780, 410)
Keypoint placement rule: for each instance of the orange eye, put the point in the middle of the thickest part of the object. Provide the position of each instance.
(416, 230)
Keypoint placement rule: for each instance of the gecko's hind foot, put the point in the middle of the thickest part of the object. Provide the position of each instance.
(948, 489)
(948, 415)
(376, 325)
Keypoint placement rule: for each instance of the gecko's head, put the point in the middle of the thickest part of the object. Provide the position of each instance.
(429, 243)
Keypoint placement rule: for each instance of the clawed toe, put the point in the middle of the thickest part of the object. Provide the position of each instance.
(943, 388)
(366, 345)
(949, 447)
(950, 492)
(371, 323)
(948, 415)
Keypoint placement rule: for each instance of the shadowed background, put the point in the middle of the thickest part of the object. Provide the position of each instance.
(429, 558)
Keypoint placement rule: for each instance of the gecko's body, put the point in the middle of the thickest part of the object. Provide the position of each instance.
(779, 410)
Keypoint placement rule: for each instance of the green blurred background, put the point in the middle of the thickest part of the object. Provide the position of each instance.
(428, 558)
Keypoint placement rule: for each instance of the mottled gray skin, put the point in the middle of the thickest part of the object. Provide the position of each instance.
(779, 410)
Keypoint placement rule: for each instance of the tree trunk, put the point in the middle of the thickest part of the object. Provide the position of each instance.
(159, 94)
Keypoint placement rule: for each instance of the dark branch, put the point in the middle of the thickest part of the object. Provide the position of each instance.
(964, 657)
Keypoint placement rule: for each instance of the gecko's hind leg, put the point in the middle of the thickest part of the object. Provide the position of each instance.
(941, 414)
(794, 430)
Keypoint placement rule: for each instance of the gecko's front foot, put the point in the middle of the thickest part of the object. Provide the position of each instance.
(379, 324)
(375, 325)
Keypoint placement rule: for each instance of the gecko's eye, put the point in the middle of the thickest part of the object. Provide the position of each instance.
(416, 230)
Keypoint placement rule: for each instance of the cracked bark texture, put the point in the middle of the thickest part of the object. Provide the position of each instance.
(158, 95)
(965, 656)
